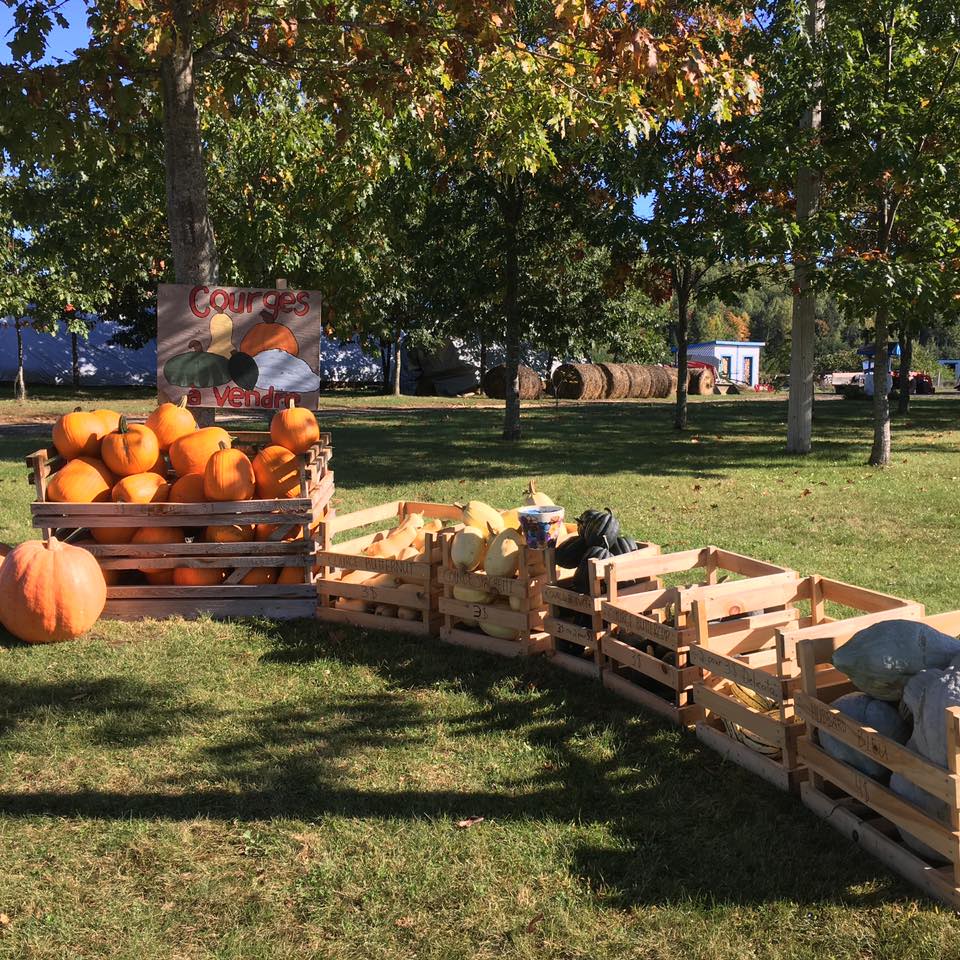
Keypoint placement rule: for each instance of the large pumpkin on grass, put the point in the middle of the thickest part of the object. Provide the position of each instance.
(109, 419)
(277, 471)
(268, 334)
(78, 434)
(83, 480)
(141, 488)
(131, 448)
(50, 591)
(191, 452)
(188, 489)
(158, 576)
(228, 475)
(295, 428)
(171, 421)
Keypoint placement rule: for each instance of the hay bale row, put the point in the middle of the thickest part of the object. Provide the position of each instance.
(579, 381)
(701, 381)
(617, 380)
(495, 383)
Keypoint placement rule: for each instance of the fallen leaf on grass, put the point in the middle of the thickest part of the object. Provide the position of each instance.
(532, 925)
(806, 493)
(697, 486)
(4, 920)
(469, 822)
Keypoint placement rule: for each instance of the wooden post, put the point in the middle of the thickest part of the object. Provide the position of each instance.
(953, 764)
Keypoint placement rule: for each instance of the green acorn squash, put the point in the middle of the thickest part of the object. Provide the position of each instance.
(196, 368)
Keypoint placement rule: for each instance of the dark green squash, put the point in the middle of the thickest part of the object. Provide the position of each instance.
(197, 368)
(570, 552)
(623, 545)
(599, 527)
(581, 579)
(243, 370)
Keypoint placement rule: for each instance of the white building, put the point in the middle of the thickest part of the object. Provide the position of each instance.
(736, 360)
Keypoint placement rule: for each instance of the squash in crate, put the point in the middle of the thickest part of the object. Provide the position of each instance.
(131, 448)
(228, 476)
(141, 488)
(277, 473)
(82, 480)
(190, 453)
(78, 434)
(469, 548)
(295, 428)
(158, 576)
(170, 422)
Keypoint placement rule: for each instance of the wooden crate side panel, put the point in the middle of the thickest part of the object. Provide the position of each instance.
(683, 716)
(762, 680)
(728, 708)
(499, 616)
(646, 627)
(525, 646)
(503, 586)
(712, 735)
(391, 596)
(371, 621)
(564, 630)
(677, 678)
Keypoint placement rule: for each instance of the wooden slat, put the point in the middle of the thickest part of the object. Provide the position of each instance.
(199, 513)
(579, 665)
(220, 551)
(360, 518)
(763, 681)
(739, 753)
(561, 629)
(767, 728)
(645, 627)
(860, 598)
(538, 643)
(504, 586)
(499, 616)
(393, 596)
(414, 569)
(629, 566)
(685, 716)
(371, 621)
(677, 678)
(199, 595)
(890, 754)
(747, 566)
(571, 600)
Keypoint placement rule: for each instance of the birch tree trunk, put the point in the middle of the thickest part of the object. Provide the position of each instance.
(397, 340)
(20, 384)
(803, 325)
(683, 321)
(880, 454)
(192, 239)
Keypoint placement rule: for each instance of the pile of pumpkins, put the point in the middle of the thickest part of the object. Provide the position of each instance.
(169, 459)
(406, 542)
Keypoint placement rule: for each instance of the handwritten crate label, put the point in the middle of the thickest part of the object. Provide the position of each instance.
(646, 628)
(570, 599)
(820, 715)
(762, 683)
(480, 581)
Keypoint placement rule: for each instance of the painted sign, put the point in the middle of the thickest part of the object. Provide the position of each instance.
(236, 348)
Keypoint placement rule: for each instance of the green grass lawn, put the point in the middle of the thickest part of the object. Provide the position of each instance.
(254, 790)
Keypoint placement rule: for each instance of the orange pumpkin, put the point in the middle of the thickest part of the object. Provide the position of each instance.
(160, 466)
(108, 535)
(228, 534)
(110, 420)
(259, 575)
(188, 489)
(131, 448)
(50, 591)
(228, 475)
(263, 532)
(191, 452)
(170, 422)
(141, 488)
(277, 471)
(158, 576)
(83, 480)
(291, 575)
(78, 434)
(198, 576)
(268, 335)
(295, 428)
(110, 577)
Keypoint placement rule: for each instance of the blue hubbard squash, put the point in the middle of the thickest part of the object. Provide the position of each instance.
(879, 714)
(881, 658)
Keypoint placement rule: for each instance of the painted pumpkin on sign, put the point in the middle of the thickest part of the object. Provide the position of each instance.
(268, 334)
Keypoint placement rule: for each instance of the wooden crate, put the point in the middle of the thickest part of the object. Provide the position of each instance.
(645, 649)
(337, 559)
(574, 623)
(461, 619)
(863, 809)
(305, 517)
(766, 665)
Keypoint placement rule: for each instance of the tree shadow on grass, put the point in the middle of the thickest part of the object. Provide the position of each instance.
(679, 824)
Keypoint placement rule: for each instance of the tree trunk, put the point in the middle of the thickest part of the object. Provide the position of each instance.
(192, 240)
(512, 207)
(397, 339)
(383, 345)
(483, 356)
(880, 454)
(683, 321)
(75, 351)
(906, 359)
(804, 325)
(20, 384)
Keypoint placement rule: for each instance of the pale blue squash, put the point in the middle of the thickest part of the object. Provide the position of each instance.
(879, 714)
(927, 696)
(881, 658)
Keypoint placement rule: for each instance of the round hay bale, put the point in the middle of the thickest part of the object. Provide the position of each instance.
(672, 373)
(661, 382)
(579, 381)
(617, 379)
(495, 383)
(702, 381)
(640, 383)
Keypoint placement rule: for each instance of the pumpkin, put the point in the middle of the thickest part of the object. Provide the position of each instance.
(263, 532)
(228, 476)
(109, 419)
(295, 428)
(131, 448)
(158, 576)
(50, 591)
(141, 488)
(581, 579)
(228, 533)
(112, 535)
(78, 434)
(277, 472)
(195, 368)
(191, 452)
(171, 421)
(188, 489)
(198, 576)
(881, 658)
(291, 575)
(927, 696)
(269, 335)
(83, 480)
(259, 575)
(598, 527)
